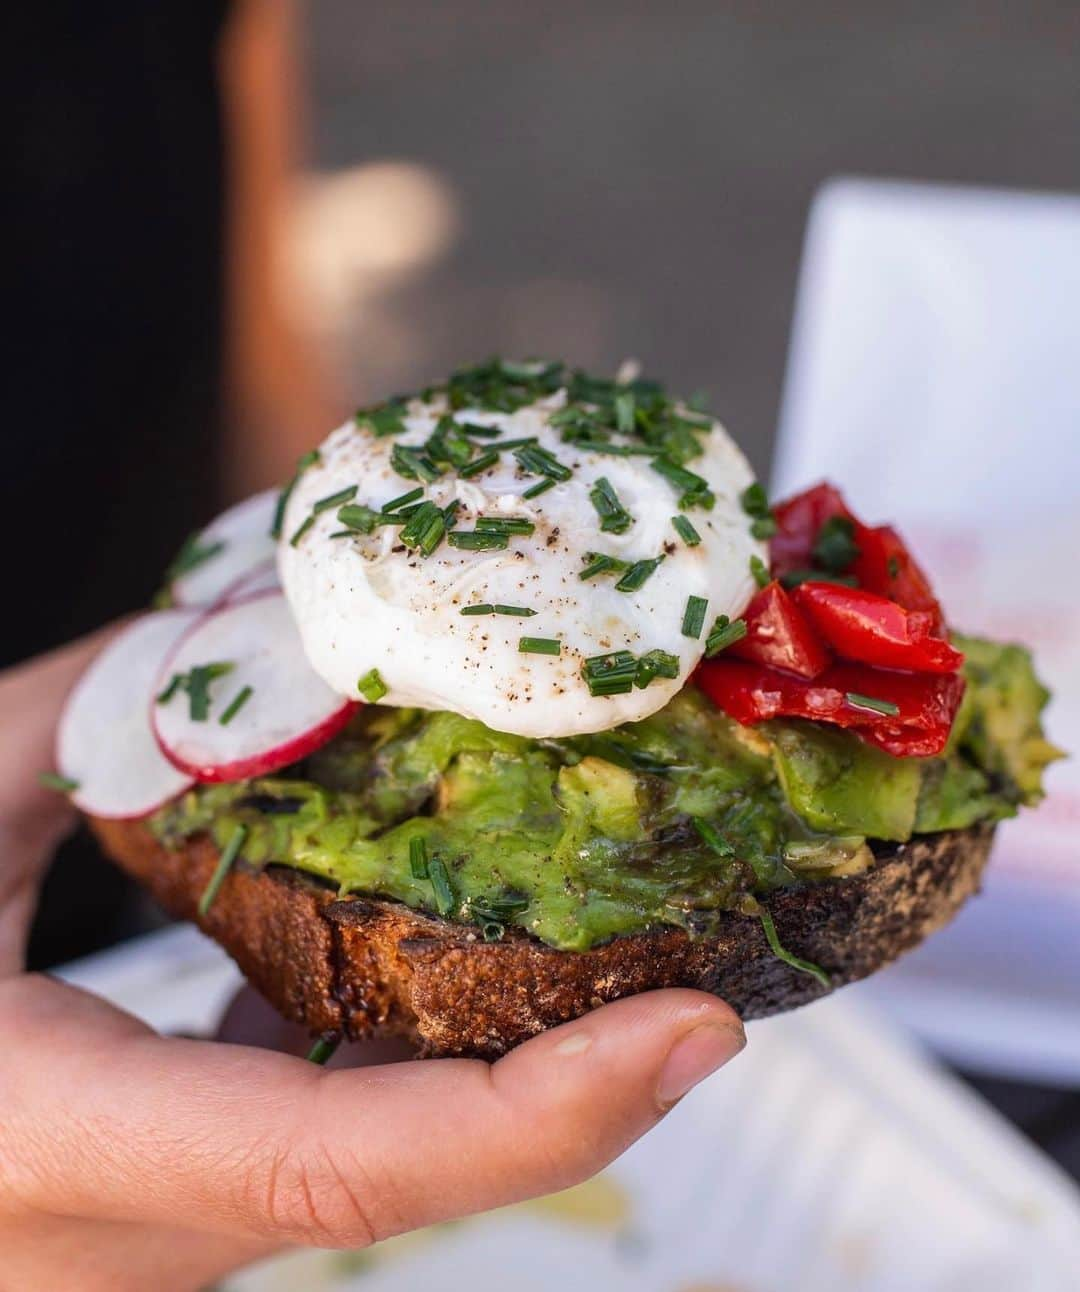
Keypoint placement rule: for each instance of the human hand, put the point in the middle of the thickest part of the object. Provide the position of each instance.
(130, 1160)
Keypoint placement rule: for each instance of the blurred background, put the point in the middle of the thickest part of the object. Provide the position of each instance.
(230, 222)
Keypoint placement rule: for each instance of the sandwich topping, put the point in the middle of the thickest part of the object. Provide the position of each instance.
(533, 651)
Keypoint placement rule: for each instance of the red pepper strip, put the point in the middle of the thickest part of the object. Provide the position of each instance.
(779, 635)
(798, 523)
(926, 703)
(870, 629)
(886, 566)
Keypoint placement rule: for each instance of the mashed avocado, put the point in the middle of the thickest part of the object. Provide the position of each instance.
(666, 821)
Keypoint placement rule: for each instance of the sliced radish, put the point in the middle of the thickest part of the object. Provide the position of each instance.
(105, 742)
(229, 549)
(263, 578)
(268, 709)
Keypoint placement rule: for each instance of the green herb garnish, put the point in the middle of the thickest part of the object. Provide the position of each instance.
(54, 781)
(335, 499)
(518, 612)
(760, 571)
(725, 632)
(440, 883)
(414, 463)
(614, 518)
(425, 528)
(793, 578)
(693, 489)
(858, 701)
(229, 854)
(804, 966)
(387, 419)
(418, 858)
(358, 517)
(481, 608)
(372, 687)
(472, 540)
(236, 704)
(764, 527)
(713, 837)
(686, 531)
(537, 489)
(302, 529)
(693, 619)
(541, 462)
(402, 500)
(479, 464)
(755, 501)
(306, 460)
(611, 674)
(636, 576)
(197, 685)
(835, 548)
(505, 525)
(172, 686)
(539, 646)
(191, 555)
(323, 1050)
(601, 563)
(655, 663)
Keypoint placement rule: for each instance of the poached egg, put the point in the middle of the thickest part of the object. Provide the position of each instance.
(457, 629)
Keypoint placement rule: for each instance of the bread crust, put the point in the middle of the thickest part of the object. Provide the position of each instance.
(359, 966)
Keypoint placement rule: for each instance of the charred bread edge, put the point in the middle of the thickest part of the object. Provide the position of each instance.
(360, 966)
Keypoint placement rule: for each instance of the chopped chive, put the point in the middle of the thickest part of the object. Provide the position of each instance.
(342, 533)
(356, 516)
(541, 462)
(835, 548)
(197, 686)
(481, 432)
(693, 619)
(305, 525)
(724, 633)
(306, 460)
(636, 576)
(386, 420)
(521, 612)
(414, 463)
(235, 705)
(503, 445)
(624, 404)
(655, 663)
(685, 530)
(471, 540)
(424, 528)
(601, 563)
(483, 608)
(479, 464)
(858, 701)
(537, 489)
(611, 674)
(403, 499)
(592, 445)
(323, 1050)
(760, 571)
(440, 882)
(372, 687)
(191, 555)
(418, 859)
(755, 501)
(793, 578)
(712, 837)
(335, 499)
(614, 518)
(505, 524)
(804, 966)
(693, 489)
(174, 685)
(229, 854)
(764, 527)
(54, 781)
(539, 646)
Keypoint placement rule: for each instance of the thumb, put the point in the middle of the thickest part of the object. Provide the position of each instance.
(255, 1143)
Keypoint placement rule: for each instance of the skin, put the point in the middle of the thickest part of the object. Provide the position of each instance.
(130, 1160)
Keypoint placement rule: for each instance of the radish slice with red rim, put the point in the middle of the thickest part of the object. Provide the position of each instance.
(230, 549)
(238, 697)
(104, 741)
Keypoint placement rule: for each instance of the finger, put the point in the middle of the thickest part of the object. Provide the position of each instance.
(132, 1127)
(32, 819)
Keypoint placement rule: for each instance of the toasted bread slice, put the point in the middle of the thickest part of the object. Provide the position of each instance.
(357, 966)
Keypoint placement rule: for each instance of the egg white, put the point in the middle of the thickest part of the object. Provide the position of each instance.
(368, 603)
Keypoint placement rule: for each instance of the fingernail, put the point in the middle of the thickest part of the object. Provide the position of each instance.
(694, 1056)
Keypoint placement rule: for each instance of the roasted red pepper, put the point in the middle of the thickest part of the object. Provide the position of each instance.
(885, 565)
(906, 714)
(798, 524)
(779, 635)
(870, 629)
